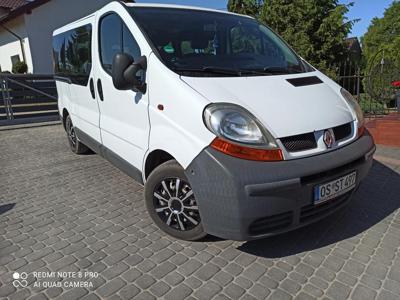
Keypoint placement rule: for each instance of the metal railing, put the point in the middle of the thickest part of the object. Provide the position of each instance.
(27, 98)
(353, 79)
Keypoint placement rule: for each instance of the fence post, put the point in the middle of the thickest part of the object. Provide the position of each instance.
(3, 87)
(398, 100)
(8, 99)
(358, 84)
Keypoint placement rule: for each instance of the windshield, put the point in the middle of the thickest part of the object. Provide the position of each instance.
(202, 43)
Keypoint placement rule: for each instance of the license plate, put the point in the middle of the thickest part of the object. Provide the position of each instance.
(334, 188)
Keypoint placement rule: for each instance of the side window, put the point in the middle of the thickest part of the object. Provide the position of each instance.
(72, 54)
(110, 40)
(58, 53)
(115, 38)
(130, 45)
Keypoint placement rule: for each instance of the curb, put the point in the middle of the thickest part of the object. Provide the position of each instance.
(31, 125)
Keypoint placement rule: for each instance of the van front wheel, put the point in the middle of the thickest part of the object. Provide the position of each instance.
(171, 202)
(76, 146)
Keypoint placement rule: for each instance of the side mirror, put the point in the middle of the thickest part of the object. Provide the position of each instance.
(125, 73)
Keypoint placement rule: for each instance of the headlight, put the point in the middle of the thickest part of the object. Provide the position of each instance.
(236, 124)
(354, 106)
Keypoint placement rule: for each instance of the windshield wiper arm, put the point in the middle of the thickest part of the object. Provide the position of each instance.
(238, 72)
(280, 70)
(215, 70)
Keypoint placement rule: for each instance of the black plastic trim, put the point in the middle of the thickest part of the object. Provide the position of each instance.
(233, 193)
(296, 143)
(256, 190)
(342, 132)
(304, 81)
(111, 156)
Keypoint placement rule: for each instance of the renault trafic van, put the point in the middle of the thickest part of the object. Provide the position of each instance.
(230, 131)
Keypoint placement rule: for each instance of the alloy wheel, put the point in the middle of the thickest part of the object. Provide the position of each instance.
(71, 134)
(176, 205)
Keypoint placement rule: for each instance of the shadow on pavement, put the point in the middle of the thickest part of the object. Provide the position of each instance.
(6, 207)
(377, 198)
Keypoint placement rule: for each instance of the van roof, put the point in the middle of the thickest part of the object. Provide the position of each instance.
(159, 5)
(72, 24)
(154, 5)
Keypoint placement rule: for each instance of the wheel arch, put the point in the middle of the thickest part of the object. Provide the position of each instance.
(154, 159)
(65, 114)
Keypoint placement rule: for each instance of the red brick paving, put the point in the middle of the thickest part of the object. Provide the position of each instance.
(386, 130)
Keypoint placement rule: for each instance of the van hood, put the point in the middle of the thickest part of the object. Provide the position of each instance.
(284, 109)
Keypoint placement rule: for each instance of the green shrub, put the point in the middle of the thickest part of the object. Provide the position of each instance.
(20, 68)
(370, 105)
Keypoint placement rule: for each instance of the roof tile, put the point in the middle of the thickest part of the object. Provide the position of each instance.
(12, 4)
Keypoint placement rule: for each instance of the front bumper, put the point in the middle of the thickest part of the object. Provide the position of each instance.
(244, 200)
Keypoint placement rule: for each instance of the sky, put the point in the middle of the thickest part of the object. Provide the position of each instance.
(365, 10)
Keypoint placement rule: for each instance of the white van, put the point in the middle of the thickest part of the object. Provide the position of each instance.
(230, 131)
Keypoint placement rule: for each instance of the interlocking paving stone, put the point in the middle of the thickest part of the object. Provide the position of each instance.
(363, 293)
(182, 292)
(79, 213)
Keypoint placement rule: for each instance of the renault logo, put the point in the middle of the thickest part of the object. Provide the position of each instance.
(329, 138)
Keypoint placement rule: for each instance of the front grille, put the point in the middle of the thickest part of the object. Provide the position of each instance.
(271, 224)
(342, 132)
(311, 212)
(300, 142)
(307, 141)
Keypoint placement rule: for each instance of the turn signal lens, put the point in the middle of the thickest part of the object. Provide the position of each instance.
(246, 152)
(361, 131)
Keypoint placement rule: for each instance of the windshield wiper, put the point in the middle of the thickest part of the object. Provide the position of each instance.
(223, 71)
(238, 72)
(214, 70)
(280, 70)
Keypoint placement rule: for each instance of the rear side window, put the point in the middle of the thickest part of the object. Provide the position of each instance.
(115, 38)
(72, 52)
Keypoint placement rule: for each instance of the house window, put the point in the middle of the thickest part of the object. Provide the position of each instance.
(15, 59)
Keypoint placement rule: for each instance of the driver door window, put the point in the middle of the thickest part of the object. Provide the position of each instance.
(115, 38)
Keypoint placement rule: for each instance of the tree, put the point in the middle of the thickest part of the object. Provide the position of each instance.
(383, 36)
(316, 29)
(20, 68)
(245, 7)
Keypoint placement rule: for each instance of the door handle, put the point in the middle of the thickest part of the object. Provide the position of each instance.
(91, 86)
(100, 90)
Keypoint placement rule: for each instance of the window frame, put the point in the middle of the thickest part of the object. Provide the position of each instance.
(122, 38)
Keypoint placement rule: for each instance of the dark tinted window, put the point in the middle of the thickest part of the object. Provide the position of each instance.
(193, 42)
(15, 59)
(110, 40)
(130, 45)
(115, 38)
(73, 55)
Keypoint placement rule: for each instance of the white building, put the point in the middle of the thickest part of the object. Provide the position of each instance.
(26, 29)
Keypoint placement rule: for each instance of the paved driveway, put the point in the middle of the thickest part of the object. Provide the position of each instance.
(65, 213)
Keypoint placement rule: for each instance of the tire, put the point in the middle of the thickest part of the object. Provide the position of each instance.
(76, 146)
(177, 214)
